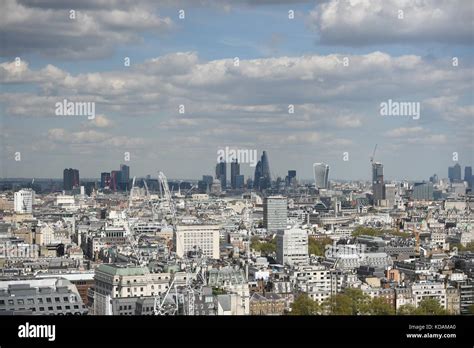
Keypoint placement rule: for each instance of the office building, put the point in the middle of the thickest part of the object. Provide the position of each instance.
(47, 296)
(124, 177)
(104, 180)
(70, 179)
(423, 191)
(378, 187)
(23, 201)
(468, 176)
(221, 173)
(454, 173)
(292, 247)
(115, 180)
(234, 172)
(239, 182)
(275, 213)
(321, 175)
(262, 178)
(197, 238)
(290, 178)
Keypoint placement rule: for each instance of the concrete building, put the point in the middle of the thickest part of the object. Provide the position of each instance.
(52, 296)
(275, 213)
(292, 247)
(195, 237)
(115, 281)
(424, 290)
(23, 201)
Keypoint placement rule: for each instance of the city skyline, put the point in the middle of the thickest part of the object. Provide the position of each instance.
(283, 76)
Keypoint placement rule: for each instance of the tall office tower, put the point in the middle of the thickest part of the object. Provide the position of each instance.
(262, 179)
(115, 179)
(468, 175)
(221, 173)
(321, 175)
(124, 177)
(275, 213)
(234, 172)
(291, 177)
(454, 173)
(390, 194)
(239, 181)
(23, 201)
(434, 179)
(292, 247)
(70, 178)
(423, 191)
(190, 238)
(378, 187)
(104, 180)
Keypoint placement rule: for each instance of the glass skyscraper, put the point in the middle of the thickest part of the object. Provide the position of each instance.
(321, 175)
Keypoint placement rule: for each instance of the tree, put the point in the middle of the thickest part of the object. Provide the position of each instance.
(304, 305)
(318, 246)
(407, 309)
(430, 306)
(379, 306)
(350, 302)
(470, 309)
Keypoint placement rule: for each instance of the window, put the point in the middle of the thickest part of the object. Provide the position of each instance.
(30, 301)
(41, 309)
(48, 299)
(76, 306)
(40, 300)
(68, 307)
(2, 302)
(10, 302)
(57, 299)
(65, 298)
(21, 301)
(59, 308)
(50, 309)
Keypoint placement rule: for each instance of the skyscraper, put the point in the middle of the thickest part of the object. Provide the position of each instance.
(115, 179)
(104, 180)
(124, 177)
(234, 172)
(262, 173)
(467, 174)
(291, 177)
(70, 178)
(454, 173)
(321, 175)
(275, 213)
(378, 187)
(221, 173)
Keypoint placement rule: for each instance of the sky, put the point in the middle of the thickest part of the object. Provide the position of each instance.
(303, 80)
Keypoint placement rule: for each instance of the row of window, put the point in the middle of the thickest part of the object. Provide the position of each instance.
(40, 300)
(42, 309)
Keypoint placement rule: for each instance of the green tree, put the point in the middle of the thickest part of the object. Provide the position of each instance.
(350, 302)
(318, 246)
(379, 306)
(430, 306)
(304, 305)
(407, 309)
(470, 309)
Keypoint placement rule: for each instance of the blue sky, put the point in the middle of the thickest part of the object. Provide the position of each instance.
(189, 62)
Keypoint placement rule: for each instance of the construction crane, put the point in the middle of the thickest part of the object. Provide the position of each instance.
(167, 195)
(373, 154)
(132, 190)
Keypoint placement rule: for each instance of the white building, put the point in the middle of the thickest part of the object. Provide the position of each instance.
(423, 290)
(193, 237)
(129, 281)
(292, 246)
(23, 201)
